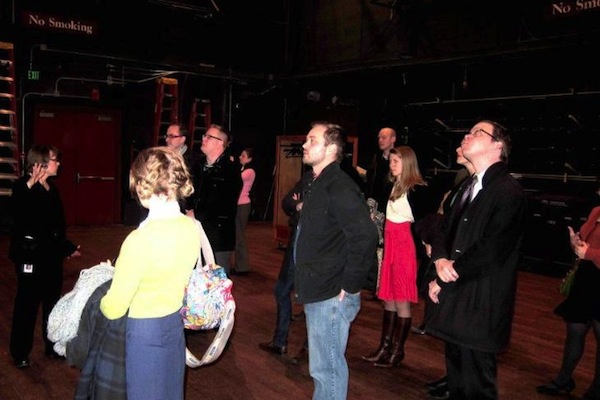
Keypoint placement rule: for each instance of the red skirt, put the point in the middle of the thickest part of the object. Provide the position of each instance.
(398, 274)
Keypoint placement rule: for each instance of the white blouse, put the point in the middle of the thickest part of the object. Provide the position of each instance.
(399, 210)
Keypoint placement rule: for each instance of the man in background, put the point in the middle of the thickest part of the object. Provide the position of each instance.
(217, 186)
(378, 188)
(292, 206)
(175, 140)
(378, 184)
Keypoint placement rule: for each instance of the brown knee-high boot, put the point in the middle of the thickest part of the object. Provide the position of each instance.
(396, 354)
(387, 331)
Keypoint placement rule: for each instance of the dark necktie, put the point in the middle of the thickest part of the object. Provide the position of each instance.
(465, 198)
(466, 195)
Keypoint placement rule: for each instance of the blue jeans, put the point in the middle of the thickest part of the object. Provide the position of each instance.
(328, 325)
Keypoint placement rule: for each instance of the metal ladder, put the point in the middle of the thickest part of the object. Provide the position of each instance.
(9, 134)
(166, 108)
(196, 127)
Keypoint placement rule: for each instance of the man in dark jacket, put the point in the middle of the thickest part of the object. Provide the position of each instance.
(379, 186)
(292, 206)
(217, 186)
(335, 247)
(476, 258)
(175, 139)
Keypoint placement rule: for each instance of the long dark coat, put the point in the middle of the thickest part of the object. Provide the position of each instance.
(214, 201)
(477, 310)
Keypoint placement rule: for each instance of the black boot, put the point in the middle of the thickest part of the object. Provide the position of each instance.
(387, 331)
(396, 354)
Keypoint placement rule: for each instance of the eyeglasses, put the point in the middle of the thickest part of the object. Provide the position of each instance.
(478, 132)
(207, 136)
(171, 136)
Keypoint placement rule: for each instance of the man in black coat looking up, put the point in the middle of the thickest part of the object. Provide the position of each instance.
(476, 257)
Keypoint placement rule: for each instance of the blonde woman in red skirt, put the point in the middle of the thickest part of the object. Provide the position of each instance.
(398, 275)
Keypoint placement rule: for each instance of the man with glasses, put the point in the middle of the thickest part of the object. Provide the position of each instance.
(175, 140)
(476, 256)
(217, 186)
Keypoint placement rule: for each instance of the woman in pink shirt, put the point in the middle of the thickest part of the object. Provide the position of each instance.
(244, 206)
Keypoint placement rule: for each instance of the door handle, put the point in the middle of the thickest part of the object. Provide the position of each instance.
(94, 177)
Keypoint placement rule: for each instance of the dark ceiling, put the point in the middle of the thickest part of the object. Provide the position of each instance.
(235, 35)
(433, 43)
(368, 62)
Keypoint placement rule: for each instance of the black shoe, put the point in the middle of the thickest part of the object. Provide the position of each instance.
(441, 393)
(554, 389)
(442, 382)
(23, 363)
(272, 348)
(301, 357)
(235, 272)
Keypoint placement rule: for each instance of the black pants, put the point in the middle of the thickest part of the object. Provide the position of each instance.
(472, 374)
(282, 291)
(42, 286)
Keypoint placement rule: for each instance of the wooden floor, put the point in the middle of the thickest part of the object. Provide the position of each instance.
(245, 372)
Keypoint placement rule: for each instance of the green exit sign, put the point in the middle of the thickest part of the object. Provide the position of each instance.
(33, 75)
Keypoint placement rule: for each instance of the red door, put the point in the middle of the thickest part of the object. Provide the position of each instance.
(88, 178)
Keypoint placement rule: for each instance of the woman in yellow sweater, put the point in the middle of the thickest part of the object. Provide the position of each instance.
(151, 272)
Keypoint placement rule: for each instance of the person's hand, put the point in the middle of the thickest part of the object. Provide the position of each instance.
(580, 249)
(75, 254)
(445, 270)
(440, 209)
(434, 291)
(427, 249)
(38, 173)
(299, 207)
(574, 238)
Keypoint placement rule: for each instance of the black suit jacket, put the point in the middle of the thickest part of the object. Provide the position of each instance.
(476, 311)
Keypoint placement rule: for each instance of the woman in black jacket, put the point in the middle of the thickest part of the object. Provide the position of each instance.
(38, 247)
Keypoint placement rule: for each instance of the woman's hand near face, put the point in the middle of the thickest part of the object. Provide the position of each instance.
(38, 173)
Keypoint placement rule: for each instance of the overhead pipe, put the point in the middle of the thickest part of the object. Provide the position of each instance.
(227, 75)
(107, 81)
(442, 123)
(572, 92)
